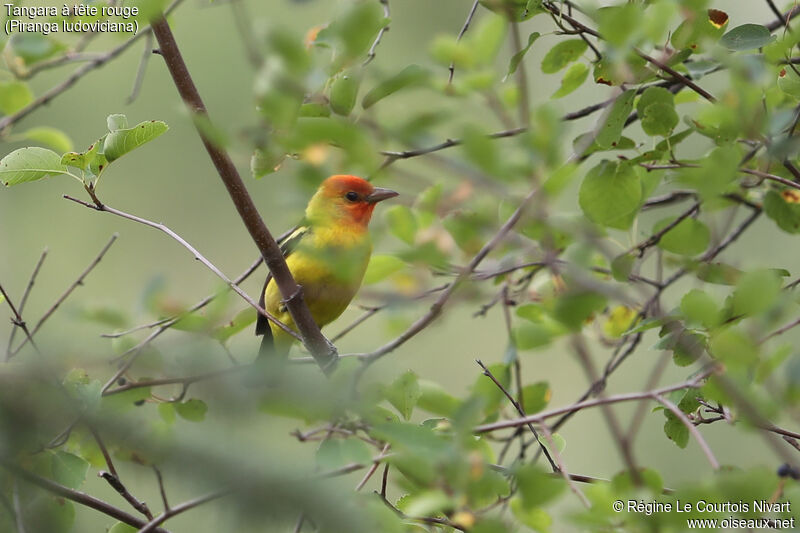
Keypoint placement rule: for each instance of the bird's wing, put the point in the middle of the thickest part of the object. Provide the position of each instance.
(288, 244)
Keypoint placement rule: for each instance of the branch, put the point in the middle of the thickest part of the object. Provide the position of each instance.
(436, 309)
(321, 349)
(77, 496)
(75, 284)
(17, 320)
(199, 305)
(520, 410)
(24, 299)
(371, 54)
(694, 383)
(464, 28)
(153, 524)
(691, 427)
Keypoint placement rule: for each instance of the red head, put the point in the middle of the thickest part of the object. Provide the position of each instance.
(346, 199)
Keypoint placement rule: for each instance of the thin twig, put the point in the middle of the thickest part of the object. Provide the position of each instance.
(75, 284)
(387, 15)
(693, 383)
(153, 524)
(691, 427)
(24, 299)
(18, 321)
(77, 496)
(520, 410)
(143, 60)
(464, 28)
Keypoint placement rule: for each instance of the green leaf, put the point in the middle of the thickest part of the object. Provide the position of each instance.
(558, 442)
(435, 399)
(535, 518)
(676, 431)
(238, 323)
(166, 410)
(719, 273)
(622, 266)
(537, 487)
(50, 137)
(116, 122)
(516, 58)
(334, 453)
(659, 119)
(789, 82)
(698, 307)
(610, 194)
(573, 308)
(30, 164)
(344, 91)
(535, 397)
(735, 348)
(783, 209)
(193, 410)
(746, 37)
(410, 76)
(613, 122)
(402, 223)
(14, 95)
(562, 54)
(689, 237)
(68, 469)
(528, 336)
(381, 267)
(121, 141)
(403, 393)
(573, 78)
(756, 292)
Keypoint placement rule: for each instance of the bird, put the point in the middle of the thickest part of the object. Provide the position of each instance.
(327, 254)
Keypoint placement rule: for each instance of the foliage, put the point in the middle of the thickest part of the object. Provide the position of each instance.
(546, 220)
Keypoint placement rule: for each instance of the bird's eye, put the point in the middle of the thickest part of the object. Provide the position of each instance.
(351, 196)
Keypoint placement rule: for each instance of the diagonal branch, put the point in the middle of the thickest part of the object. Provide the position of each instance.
(24, 299)
(323, 351)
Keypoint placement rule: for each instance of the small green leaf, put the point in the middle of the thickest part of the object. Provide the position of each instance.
(403, 393)
(783, 209)
(402, 223)
(789, 82)
(344, 91)
(50, 137)
(410, 76)
(516, 58)
(381, 267)
(14, 95)
(610, 194)
(537, 487)
(528, 336)
(698, 307)
(30, 164)
(69, 470)
(535, 397)
(756, 292)
(621, 266)
(747, 37)
(121, 141)
(676, 431)
(562, 54)
(689, 237)
(242, 320)
(535, 518)
(614, 121)
(573, 308)
(573, 78)
(435, 399)
(117, 122)
(193, 410)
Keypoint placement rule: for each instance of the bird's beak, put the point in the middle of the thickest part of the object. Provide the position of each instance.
(379, 194)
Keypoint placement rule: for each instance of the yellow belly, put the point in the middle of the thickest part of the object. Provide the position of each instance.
(330, 278)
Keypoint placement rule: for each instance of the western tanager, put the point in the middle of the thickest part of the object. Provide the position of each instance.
(327, 254)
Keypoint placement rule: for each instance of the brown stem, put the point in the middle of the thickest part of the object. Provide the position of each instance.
(323, 351)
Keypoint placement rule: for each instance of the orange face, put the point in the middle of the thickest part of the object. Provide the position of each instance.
(353, 198)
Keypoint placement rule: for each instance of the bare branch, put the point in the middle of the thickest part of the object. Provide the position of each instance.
(691, 427)
(464, 28)
(24, 299)
(371, 54)
(153, 524)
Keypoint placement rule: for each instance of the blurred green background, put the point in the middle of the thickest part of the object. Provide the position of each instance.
(172, 181)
